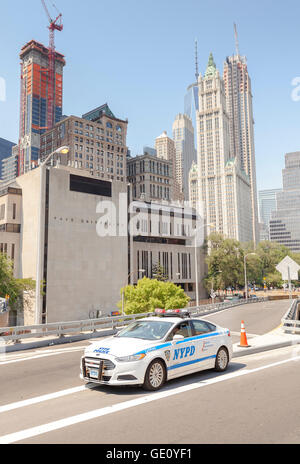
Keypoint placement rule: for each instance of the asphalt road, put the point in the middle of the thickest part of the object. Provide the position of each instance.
(259, 318)
(42, 399)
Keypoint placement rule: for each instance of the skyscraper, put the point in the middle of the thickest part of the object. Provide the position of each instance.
(237, 85)
(191, 100)
(223, 188)
(10, 166)
(285, 220)
(5, 151)
(193, 185)
(34, 100)
(183, 136)
(165, 148)
(267, 204)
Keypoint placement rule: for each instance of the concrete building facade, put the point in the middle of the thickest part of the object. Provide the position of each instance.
(10, 224)
(163, 235)
(64, 236)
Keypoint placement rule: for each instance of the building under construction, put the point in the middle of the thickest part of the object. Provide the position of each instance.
(41, 100)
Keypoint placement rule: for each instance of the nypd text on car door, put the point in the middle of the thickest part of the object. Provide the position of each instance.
(196, 350)
(182, 350)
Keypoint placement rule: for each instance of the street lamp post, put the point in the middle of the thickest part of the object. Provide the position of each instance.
(245, 273)
(212, 292)
(196, 275)
(38, 313)
(196, 262)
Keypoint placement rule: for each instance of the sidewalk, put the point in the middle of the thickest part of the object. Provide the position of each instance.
(270, 341)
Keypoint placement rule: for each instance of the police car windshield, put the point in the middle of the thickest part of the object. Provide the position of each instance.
(146, 330)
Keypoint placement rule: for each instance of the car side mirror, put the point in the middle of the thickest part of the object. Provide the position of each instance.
(178, 337)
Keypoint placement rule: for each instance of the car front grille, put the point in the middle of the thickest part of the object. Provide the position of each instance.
(91, 363)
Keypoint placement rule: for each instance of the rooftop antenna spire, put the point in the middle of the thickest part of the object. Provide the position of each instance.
(196, 60)
(237, 48)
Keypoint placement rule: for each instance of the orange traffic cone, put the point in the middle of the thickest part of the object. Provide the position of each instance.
(243, 341)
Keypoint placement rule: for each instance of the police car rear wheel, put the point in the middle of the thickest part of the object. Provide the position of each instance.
(155, 376)
(222, 360)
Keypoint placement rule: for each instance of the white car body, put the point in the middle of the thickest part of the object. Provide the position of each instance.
(180, 356)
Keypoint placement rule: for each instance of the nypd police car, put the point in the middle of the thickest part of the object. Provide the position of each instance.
(152, 350)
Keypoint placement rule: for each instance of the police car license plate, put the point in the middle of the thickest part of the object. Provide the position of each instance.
(94, 373)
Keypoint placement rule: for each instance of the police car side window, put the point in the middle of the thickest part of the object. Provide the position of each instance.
(201, 327)
(211, 327)
(184, 329)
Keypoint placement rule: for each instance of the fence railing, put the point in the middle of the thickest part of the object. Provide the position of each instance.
(290, 321)
(60, 329)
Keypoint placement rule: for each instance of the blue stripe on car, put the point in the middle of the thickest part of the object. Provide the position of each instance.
(199, 336)
(194, 361)
(154, 348)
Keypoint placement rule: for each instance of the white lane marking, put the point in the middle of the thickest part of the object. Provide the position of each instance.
(38, 356)
(40, 399)
(69, 421)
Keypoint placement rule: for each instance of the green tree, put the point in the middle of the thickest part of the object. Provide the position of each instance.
(11, 286)
(296, 257)
(225, 262)
(150, 294)
(274, 279)
(267, 256)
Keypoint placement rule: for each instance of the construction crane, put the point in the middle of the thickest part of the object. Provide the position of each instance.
(55, 25)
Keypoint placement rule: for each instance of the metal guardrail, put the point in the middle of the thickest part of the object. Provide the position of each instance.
(60, 329)
(290, 321)
(212, 308)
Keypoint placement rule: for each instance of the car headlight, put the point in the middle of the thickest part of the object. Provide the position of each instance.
(134, 357)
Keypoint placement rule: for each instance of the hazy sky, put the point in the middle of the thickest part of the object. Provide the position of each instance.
(138, 56)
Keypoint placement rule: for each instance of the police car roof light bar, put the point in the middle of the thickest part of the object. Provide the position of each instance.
(172, 313)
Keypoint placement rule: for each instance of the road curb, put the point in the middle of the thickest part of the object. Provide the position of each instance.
(258, 349)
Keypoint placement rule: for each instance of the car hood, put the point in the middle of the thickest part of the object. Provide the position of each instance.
(122, 346)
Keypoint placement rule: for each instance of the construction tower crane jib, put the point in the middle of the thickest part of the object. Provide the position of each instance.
(54, 25)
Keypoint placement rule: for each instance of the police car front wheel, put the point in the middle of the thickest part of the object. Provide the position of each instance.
(222, 360)
(155, 375)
